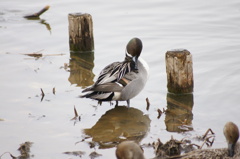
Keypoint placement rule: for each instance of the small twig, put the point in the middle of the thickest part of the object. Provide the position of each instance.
(76, 117)
(195, 145)
(159, 113)
(207, 142)
(210, 142)
(36, 15)
(75, 112)
(42, 94)
(13, 157)
(36, 55)
(54, 91)
(148, 104)
(164, 111)
(209, 130)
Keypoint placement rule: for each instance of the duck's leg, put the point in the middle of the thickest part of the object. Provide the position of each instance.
(128, 103)
(99, 102)
(116, 103)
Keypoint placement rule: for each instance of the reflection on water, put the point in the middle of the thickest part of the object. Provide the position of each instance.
(42, 21)
(81, 65)
(118, 124)
(179, 112)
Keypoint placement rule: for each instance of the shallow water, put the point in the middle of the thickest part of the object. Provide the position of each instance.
(208, 29)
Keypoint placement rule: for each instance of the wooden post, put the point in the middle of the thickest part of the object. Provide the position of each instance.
(179, 71)
(80, 32)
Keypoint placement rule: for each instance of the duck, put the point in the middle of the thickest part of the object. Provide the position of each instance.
(129, 150)
(231, 134)
(121, 81)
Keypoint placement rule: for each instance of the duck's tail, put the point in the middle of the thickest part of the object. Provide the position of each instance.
(100, 96)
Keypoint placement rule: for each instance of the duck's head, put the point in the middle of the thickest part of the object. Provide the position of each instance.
(129, 150)
(231, 134)
(134, 49)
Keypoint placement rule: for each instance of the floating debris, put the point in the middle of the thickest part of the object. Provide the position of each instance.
(94, 154)
(148, 104)
(65, 67)
(173, 148)
(159, 113)
(36, 15)
(54, 90)
(42, 94)
(206, 137)
(207, 133)
(92, 144)
(76, 116)
(36, 55)
(75, 153)
(25, 150)
(33, 116)
(13, 157)
(170, 148)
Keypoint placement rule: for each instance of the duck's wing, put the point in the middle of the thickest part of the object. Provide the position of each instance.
(106, 91)
(111, 78)
(106, 74)
(114, 72)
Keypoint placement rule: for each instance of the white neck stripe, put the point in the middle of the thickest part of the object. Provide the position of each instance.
(128, 54)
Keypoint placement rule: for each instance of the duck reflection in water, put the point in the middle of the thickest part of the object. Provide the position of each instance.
(119, 124)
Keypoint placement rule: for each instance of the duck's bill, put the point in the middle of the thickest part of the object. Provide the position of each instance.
(135, 59)
(231, 150)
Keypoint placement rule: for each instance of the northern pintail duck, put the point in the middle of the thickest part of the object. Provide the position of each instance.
(129, 150)
(231, 133)
(121, 81)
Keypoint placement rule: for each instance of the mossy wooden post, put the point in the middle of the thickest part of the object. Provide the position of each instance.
(179, 71)
(80, 32)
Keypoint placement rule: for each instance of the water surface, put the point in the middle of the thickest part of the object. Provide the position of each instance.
(208, 29)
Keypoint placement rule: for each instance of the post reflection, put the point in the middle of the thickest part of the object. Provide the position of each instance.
(118, 124)
(179, 112)
(81, 65)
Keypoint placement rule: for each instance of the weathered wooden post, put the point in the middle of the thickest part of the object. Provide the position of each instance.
(180, 87)
(80, 32)
(179, 71)
(81, 43)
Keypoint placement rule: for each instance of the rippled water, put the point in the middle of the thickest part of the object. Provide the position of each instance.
(208, 29)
